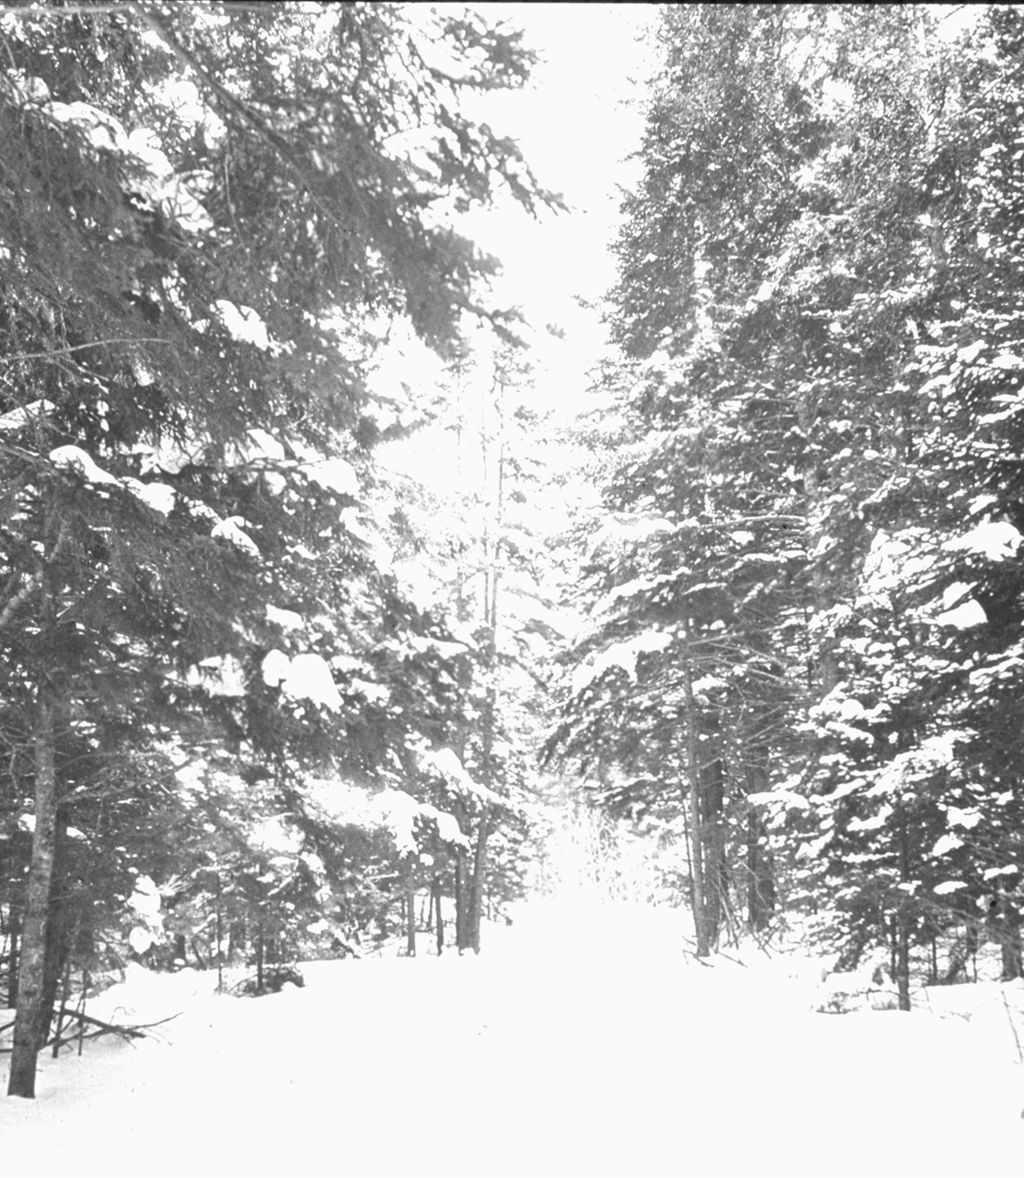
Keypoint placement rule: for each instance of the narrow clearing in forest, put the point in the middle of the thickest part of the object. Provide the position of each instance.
(608, 1056)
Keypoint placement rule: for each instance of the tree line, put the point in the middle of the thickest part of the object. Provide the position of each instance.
(228, 725)
(803, 656)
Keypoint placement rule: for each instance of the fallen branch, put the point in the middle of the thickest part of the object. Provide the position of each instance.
(67, 1035)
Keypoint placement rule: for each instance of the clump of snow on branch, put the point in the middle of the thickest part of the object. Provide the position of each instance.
(894, 559)
(276, 836)
(334, 474)
(157, 496)
(75, 459)
(620, 528)
(622, 655)
(996, 540)
(245, 325)
(285, 618)
(230, 529)
(400, 813)
(444, 763)
(959, 609)
(391, 809)
(25, 415)
(148, 170)
(933, 754)
(220, 675)
(304, 677)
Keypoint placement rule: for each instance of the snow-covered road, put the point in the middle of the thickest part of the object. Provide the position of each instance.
(608, 1054)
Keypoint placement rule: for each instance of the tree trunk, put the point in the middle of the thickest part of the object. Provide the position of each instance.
(1008, 931)
(760, 877)
(54, 960)
(435, 896)
(219, 928)
(13, 957)
(58, 929)
(901, 960)
(259, 954)
(902, 972)
(478, 882)
(32, 972)
(410, 920)
(697, 892)
(712, 803)
(461, 905)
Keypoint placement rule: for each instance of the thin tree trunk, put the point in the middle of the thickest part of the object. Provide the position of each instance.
(410, 920)
(259, 954)
(13, 959)
(32, 971)
(902, 959)
(65, 991)
(700, 925)
(761, 896)
(220, 934)
(822, 664)
(1008, 926)
(712, 802)
(435, 895)
(903, 925)
(57, 928)
(461, 907)
(760, 878)
(477, 883)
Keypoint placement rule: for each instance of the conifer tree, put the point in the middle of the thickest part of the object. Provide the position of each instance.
(188, 286)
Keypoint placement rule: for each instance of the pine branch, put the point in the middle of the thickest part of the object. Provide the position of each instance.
(118, 6)
(244, 112)
(99, 343)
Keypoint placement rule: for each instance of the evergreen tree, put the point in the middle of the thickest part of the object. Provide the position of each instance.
(187, 288)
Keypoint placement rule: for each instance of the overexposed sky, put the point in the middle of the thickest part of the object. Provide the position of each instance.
(577, 121)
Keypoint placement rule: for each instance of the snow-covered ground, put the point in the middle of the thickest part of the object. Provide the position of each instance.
(576, 1044)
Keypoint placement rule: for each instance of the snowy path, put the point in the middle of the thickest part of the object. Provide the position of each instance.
(520, 1064)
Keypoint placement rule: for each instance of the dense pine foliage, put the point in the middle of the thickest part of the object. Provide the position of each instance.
(803, 659)
(264, 695)
(226, 724)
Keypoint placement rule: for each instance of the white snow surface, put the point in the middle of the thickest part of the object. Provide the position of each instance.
(580, 1043)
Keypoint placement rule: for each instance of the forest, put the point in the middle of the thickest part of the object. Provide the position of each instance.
(746, 632)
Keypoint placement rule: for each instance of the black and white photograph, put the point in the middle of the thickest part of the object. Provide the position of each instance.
(511, 589)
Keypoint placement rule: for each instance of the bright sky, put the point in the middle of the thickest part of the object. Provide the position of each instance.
(577, 122)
